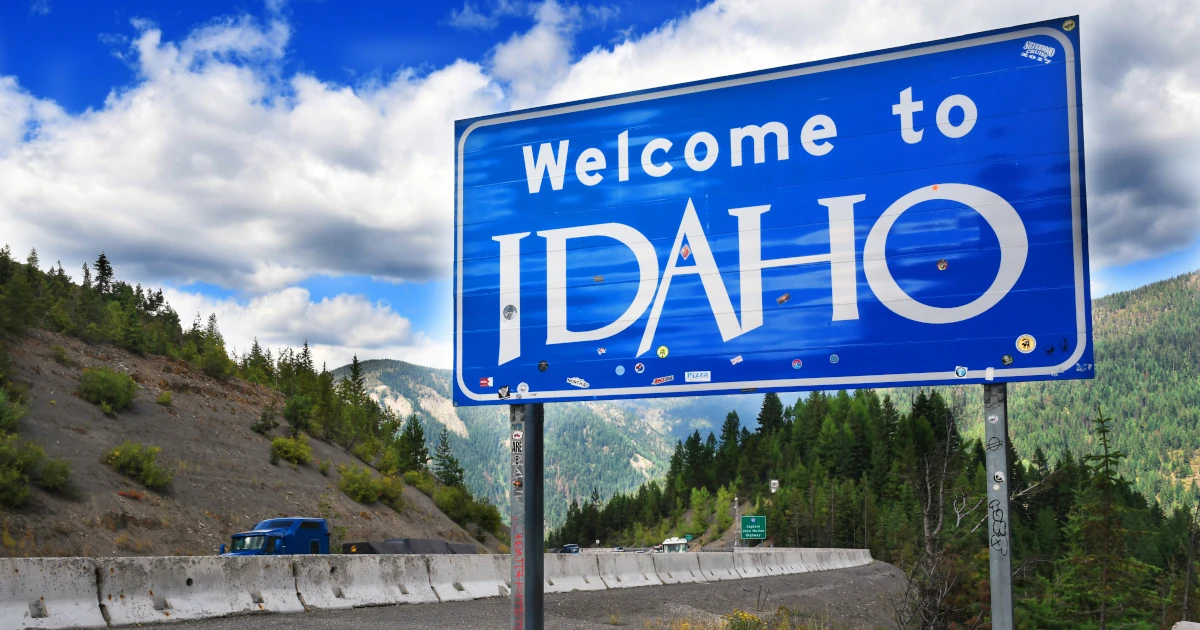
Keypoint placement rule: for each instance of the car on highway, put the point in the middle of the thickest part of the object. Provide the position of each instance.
(281, 536)
(618, 549)
(570, 548)
(674, 545)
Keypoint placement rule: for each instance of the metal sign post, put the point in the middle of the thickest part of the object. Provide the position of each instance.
(995, 409)
(527, 509)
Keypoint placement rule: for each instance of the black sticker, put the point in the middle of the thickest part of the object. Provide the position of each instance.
(503, 392)
(543, 366)
(1065, 344)
(1006, 359)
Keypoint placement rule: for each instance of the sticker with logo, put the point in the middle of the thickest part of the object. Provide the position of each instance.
(1037, 52)
(523, 388)
(485, 381)
(620, 370)
(797, 364)
(736, 360)
(1006, 359)
(662, 379)
(833, 358)
(783, 298)
(510, 312)
(578, 382)
(960, 372)
(943, 265)
(702, 376)
(503, 392)
(639, 368)
(685, 251)
(542, 365)
(601, 350)
(1026, 344)
(662, 352)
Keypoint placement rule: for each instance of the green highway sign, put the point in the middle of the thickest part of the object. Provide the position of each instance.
(688, 538)
(754, 527)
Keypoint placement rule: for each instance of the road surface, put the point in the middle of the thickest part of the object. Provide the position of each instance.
(853, 598)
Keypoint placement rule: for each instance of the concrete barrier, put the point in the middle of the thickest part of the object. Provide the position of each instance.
(566, 572)
(150, 590)
(678, 568)
(48, 593)
(465, 577)
(346, 581)
(626, 570)
(771, 563)
(718, 566)
(749, 564)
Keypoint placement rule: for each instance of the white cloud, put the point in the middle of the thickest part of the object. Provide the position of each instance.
(216, 166)
(471, 17)
(39, 7)
(336, 328)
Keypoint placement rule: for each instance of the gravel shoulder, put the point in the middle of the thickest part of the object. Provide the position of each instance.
(845, 598)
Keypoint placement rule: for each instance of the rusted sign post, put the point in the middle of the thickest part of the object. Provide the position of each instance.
(526, 508)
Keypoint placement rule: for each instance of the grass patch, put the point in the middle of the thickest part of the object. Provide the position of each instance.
(139, 462)
(110, 389)
(165, 398)
(59, 354)
(323, 467)
(10, 413)
(295, 450)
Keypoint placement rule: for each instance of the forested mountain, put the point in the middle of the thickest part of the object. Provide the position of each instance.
(1147, 344)
(1088, 551)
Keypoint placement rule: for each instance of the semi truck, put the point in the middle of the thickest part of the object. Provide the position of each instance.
(281, 536)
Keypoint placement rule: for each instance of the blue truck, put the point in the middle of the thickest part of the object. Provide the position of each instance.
(281, 536)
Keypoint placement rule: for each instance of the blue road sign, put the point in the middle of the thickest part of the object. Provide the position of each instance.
(911, 216)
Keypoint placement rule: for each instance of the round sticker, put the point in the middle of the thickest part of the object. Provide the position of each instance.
(517, 435)
(523, 388)
(797, 364)
(620, 370)
(833, 358)
(510, 312)
(662, 352)
(1026, 344)
(942, 264)
(960, 372)
(639, 368)
(1006, 359)
(542, 365)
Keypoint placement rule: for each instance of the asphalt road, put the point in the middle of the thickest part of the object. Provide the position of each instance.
(845, 598)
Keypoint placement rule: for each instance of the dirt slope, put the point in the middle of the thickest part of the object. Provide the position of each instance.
(223, 481)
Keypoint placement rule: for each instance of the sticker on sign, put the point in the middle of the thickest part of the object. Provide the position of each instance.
(773, 215)
(702, 376)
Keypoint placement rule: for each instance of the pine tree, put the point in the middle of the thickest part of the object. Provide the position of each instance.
(411, 452)
(1101, 580)
(770, 417)
(445, 465)
(104, 275)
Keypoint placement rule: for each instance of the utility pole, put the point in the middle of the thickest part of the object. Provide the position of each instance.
(995, 411)
(526, 505)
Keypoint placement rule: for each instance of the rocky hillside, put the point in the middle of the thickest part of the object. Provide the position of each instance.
(223, 480)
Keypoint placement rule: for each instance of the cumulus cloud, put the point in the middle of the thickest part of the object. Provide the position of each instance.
(216, 166)
(472, 17)
(336, 328)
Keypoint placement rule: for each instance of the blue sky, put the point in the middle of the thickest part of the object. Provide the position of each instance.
(286, 164)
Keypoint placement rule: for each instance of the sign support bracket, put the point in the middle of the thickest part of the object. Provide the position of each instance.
(995, 410)
(527, 508)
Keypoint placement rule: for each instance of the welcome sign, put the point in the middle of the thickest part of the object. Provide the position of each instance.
(910, 216)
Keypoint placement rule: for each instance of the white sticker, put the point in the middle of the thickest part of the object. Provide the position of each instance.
(736, 360)
(703, 376)
(523, 388)
(578, 382)
(990, 374)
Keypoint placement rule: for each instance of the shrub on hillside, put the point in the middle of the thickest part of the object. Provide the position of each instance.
(139, 462)
(295, 450)
(266, 420)
(486, 516)
(391, 492)
(358, 484)
(165, 398)
(103, 386)
(10, 413)
(420, 480)
(454, 502)
(21, 463)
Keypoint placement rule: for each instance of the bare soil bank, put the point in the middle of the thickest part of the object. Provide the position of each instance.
(223, 480)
